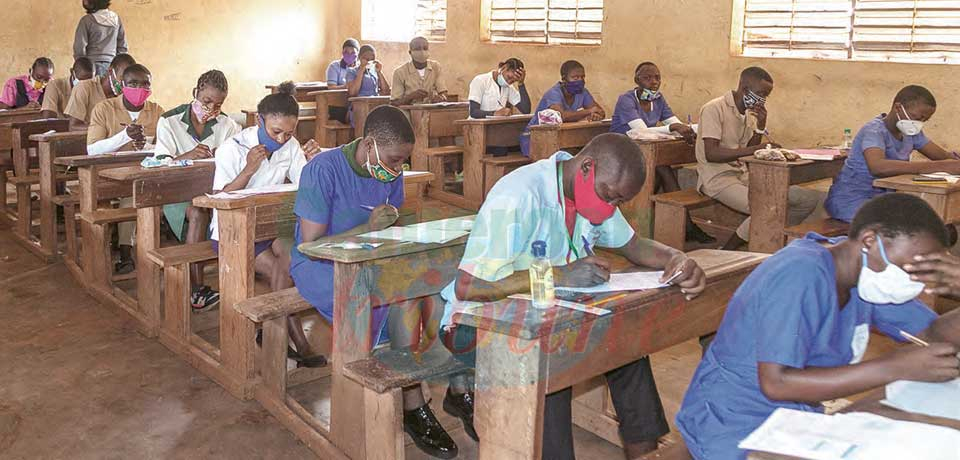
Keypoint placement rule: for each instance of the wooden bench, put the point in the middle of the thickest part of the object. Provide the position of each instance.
(496, 167)
(7, 118)
(434, 145)
(671, 210)
(446, 186)
(329, 132)
(70, 204)
(825, 227)
(49, 148)
(478, 135)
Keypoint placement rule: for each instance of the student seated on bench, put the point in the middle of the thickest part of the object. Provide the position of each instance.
(87, 94)
(645, 107)
(570, 97)
(493, 93)
(27, 90)
(567, 202)
(262, 155)
(337, 70)
(194, 131)
(121, 124)
(353, 189)
(882, 148)
(796, 330)
(367, 79)
(732, 127)
(57, 94)
(419, 81)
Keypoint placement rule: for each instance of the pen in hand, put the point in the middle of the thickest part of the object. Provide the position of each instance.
(586, 246)
(673, 277)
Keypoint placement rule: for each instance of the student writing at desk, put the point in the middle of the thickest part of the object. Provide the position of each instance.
(645, 107)
(570, 97)
(337, 70)
(796, 330)
(367, 79)
(27, 90)
(87, 94)
(353, 189)
(419, 81)
(195, 131)
(732, 127)
(57, 93)
(262, 155)
(121, 124)
(493, 93)
(564, 200)
(882, 148)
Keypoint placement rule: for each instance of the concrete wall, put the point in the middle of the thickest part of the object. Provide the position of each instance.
(690, 40)
(253, 42)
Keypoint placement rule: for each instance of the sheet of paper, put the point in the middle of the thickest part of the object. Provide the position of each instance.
(567, 304)
(279, 188)
(852, 436)
(637, 281)
(818, 154)
(417, 235)
(950, 178)
(455, 224)
(934, 399)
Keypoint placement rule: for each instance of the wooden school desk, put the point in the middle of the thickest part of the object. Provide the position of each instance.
(329, 132)
(95, 271)
(7, 117)
(435, 133)
(667, 152)
(151, 189)
(769, 184)
(50, 147)
(527, 353)
(478, 134)
(943, 197)
(361, 107)
(545, 140)
(303, 90)
(871, 404)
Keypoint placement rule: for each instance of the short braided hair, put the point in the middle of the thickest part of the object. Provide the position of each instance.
(214, 79)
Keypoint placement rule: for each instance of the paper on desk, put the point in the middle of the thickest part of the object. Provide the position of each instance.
(454, 224)
(417, 235)
(636, 281)
(818, 154)
(933, 399)
(950, 178)
(852, 436)
(278, 188)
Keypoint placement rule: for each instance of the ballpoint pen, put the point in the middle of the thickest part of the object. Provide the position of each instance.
(673, 277)
(586, 246)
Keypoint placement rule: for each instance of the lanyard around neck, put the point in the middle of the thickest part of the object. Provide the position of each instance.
(563, 209)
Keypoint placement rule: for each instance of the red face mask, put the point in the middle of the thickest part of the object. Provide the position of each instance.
(590, 205)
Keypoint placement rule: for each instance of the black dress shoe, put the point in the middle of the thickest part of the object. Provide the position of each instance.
(695, 233)
(461, 406)
(428, 434)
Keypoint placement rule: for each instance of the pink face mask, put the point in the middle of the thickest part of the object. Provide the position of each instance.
(202, 113)
(588, 204)
(136, 96)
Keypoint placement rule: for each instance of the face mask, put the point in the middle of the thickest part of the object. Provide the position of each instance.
(649, 95)
(908, 127)
(265, 139)
(136, 96)
(202, 113)
(752, 99)
(501, 81)
(574, 87)
(378, 170)
(115, 83)
(891, 286)
(588, 204)
(420, 56)
(37, 84)
(350, 59)
(74, 80)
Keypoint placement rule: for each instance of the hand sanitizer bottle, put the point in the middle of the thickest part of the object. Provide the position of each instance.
(541, 277)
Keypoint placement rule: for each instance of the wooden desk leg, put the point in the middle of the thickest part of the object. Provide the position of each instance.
(474, 148)
(421, 128)
(351, 335)
(639, 210)
(510, 399)
(769, 186)
(237, 230)
(148, 273)
(96, 238)
(48, 189)
(176, 312)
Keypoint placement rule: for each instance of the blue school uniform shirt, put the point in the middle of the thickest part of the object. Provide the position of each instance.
(854, 185)
(785, 312)
(331, 192)
(337, 73)
(553, 96)
(628, 109)
(370, 85)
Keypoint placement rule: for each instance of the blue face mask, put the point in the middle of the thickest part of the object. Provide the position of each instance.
(648, 95)
(574, 87)
(502, 81)
(265, 139)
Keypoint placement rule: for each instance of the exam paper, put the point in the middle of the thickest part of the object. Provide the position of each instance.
(852, 436)
(417, 235)
(636, 281)
(933, 399)
(464, 224)
(818, 154)
(278, 188)
(950, 178)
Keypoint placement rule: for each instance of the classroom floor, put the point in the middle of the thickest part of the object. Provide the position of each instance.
(77, 381)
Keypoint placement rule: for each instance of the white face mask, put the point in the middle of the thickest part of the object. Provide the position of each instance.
(908, 127)
(891, 286)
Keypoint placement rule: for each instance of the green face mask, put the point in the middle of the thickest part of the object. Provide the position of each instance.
(378, 170)
(116, 84)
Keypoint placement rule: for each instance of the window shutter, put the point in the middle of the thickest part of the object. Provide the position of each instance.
(913, 30)
(546, 21)
(796, 28)
(431, 19)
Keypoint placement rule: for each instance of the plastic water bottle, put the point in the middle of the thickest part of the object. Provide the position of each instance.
(847, 138)
(541, 277)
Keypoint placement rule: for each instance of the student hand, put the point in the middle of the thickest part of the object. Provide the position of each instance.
(504, 112)
(521, 76)
(586, 272)
(311, 149)
(686, 131)
(255, 156)
(32, 105)
(936, 363)
(692, 281)
(378, 66)
(135, 132)
(419, 95)
(382, 217)
(595, 116)
(940, 272)
(440, 97)
(764, 145)
(760, 111)
(198, 152)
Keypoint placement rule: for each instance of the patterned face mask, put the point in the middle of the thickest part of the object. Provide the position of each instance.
(378, 170)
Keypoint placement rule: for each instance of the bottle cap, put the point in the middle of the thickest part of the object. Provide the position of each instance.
(539, 248)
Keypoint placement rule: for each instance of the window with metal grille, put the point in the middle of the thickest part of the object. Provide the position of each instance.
(926, 31)
(555, 22)
(401, 20)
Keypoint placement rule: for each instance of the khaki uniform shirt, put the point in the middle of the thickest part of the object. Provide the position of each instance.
(84, 98)
(110, 116)
(407, 79)
(56, 95)
(720, 119)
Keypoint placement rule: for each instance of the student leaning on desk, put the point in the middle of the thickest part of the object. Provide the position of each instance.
(570, 203)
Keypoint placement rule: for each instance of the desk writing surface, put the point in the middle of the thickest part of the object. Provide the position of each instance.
(245, 201)
(58, 136)
(102, 159)
(437, 106)
(390, 248)
(573, 125)
(519, 319)
(134, 172)
(905, 183)
(494, 120)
